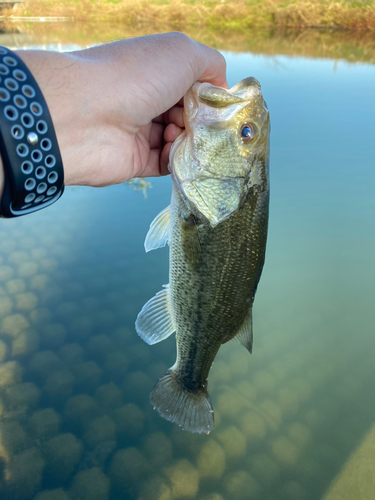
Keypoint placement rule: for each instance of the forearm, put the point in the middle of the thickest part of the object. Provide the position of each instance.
(114, 107)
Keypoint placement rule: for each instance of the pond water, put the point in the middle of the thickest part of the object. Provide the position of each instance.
(75, 417)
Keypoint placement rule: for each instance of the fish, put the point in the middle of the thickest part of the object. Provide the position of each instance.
(216, 228)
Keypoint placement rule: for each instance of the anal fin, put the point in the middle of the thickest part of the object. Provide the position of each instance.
(154, 323)
(245, 334)
(158, 234)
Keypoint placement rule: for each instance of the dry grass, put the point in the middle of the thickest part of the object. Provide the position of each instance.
(352, 46)
(239, 15)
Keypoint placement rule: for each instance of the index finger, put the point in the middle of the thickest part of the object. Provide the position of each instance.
(211, 66)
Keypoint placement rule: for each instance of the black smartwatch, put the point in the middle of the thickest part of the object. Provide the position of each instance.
(33, 169)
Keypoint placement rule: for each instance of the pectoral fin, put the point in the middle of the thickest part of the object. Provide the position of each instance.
(154, 323)
(158, 234)
(245, 335)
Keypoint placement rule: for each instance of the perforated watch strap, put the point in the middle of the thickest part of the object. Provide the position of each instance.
(33, 170)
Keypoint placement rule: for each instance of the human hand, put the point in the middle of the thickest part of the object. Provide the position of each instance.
(117, 108)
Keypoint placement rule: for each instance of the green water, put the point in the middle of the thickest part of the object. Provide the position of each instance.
(75, 417)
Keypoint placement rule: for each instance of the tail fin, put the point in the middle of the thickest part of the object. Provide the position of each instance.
(191, 410)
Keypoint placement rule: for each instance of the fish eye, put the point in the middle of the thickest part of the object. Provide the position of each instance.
(248, 132)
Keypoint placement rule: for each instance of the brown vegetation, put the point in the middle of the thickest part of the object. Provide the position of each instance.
(239, 15)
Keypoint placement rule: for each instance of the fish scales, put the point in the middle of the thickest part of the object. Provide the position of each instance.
(213, 295)
(216, 227)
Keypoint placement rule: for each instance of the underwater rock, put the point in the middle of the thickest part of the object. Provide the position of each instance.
(38, 253)
(233, 442)
(241, 486)
(13, 439)
(27, 269)
(253, 425)
(90, 484)
(6, 306)
(139, 353)
(309, 469)
(136, 384)
(23, 474)
(211, 460)
(25, 343)
(40, 317)
(129, 420)
(116, 362)
(53, 335)
(293, 491)
(100, 429)
(265, 382)
(103, 318)
(220, 372)
(44, 423)
(128, 466)
(229, 403)
(285, 451)
(264, 468)
(158, 449)
(99, 346)
(288, 401)
(301, 389)
(26, 301)
(6, 273)
(43, 363)
(67, 310)
(71, 354)
(39, 282)
(246, 390)
(48, 265)
(99, 455)
(81, 409)
(108, 396)
(16, 286)
(155, 488)
(20, 398)
(314, 418)
(272, 411)
(90, 303)
(58, 494)
(88, 375)
(299, 434)
(13, 325)
(62, 454)
(156, 370)
(3, 351)
(81, 327)
(212, 496)
(239, 363)
(18, 257)
(184, 479)
(122, 337)
(185, 442)
(26, 242)
(10, 373)
(60, 383)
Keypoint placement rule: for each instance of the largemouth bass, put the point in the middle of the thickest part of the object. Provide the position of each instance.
(216, 227)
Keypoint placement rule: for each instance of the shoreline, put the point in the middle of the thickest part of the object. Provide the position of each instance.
(230, 15)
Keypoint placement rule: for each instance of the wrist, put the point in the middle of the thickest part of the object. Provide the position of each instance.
(1, 178)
